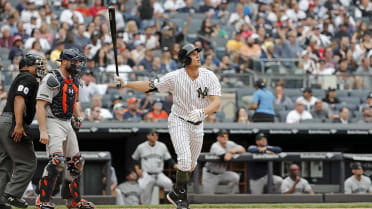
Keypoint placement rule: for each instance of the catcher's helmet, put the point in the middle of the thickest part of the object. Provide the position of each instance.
(69, 54)
(183, 54)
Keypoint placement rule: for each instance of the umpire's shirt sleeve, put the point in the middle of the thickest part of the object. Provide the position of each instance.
(44, 92)
(26, 87)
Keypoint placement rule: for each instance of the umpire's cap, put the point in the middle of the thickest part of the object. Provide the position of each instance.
(259, 83)
(190, 48)
(68, 54)
(260, 136)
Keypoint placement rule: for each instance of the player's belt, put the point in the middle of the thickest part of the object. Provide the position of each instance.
(193, 123)
(152, 174)
(214, 173)
(57, 118)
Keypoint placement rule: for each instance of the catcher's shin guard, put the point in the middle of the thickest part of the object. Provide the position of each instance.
(47, 182)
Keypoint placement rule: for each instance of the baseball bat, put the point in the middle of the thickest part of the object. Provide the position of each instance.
(111, 11)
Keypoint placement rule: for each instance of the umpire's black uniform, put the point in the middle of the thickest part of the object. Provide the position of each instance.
(20, 154)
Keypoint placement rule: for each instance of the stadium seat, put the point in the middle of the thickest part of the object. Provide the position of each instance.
(318, 93)
(342, 93)
(4, 53)
(351, 100)
(361, 93)
(220, 52)
(292, 92)
(283, 115)
(191, 38)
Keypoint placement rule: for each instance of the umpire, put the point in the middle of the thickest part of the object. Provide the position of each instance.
(263, 101)
(16, 148)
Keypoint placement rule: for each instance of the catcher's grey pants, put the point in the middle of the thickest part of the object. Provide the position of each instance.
(257, 185)
(14, 180)
(210, 181)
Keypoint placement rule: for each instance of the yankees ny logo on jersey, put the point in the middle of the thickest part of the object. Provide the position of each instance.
(201, 93)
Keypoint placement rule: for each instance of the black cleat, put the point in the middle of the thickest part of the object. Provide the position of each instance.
(16, 202)
(5, 206)
(177, 201)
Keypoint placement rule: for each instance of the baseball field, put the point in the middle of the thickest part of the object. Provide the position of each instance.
(251, 206)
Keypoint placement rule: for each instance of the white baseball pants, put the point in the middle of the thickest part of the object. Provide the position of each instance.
(148, 181)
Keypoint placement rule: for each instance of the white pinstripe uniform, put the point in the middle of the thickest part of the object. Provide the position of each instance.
(188, 95)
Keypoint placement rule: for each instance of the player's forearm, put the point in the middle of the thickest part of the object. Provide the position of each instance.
(213, 107)
(237, 150)
(142, 86)
(19, 106)
(77, 112)
(41, 116)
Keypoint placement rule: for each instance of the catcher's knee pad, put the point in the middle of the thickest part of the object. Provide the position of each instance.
(76, 165)
(53, 169)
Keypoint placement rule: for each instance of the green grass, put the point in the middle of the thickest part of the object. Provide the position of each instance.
(305, 205)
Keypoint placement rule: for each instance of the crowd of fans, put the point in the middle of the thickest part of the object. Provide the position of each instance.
(313, 37)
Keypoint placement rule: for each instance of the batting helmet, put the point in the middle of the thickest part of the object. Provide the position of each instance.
(183, 54)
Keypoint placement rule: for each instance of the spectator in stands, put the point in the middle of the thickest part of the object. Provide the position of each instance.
(343, 116)
(79, 39)
(17, 47)
(3, 97)
(207, 7)
(132, 113)
(233, 46)
(147, 117)
(330, 97)
(146, 13)
(54, 55)
(118, 112)
(95, 115)
(96, 101)
(206, 29)
(308, 65)
(130, 191)
(167, 61)
(21, 31)
(319, 112)
(357, 183)
(69, 14)
(146, 62)
(11, 22)
(6, 39)
(188, 8)
(281, 99)
(130, 30)
(208, 63)
(157, 67)
(138, 53)
(367, 115)
(97, 8)
(250, 50)
(30, 12)
(307, 99)
(36, 48)
(168, 102)
(82, 8)
(241, 116)
(215, 173)
(363, 9)
(238, 17)
(223, 13)
(157, 110)
(363, 72)
(262, 103)
(211, 118)
(169, 35)
(149, 158)
(291, 46)
(149, 39)
(173, 5)
(298, 114)
(368, 102)
(329, 59)
(35, 35)
(294, 184)
(258, 171)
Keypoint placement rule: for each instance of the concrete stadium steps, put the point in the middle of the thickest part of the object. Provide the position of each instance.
(278, 198)
(247, 198)
(96, 199)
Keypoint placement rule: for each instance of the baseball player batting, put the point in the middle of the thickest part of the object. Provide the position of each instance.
(196, 94)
